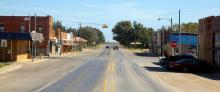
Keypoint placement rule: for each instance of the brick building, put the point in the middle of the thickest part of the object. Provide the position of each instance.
(209, 40)
(157, 42)
(25, 24)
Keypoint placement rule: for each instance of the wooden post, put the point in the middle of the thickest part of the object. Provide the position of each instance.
(11, 50)
(3, 56)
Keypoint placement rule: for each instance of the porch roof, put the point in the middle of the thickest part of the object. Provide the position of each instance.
(21, 36)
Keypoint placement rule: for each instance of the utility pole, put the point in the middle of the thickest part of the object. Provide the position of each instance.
(80, 43)
(163, 41)
(171, 23)
(35, 28)
(180, 39)
(35, 23)
(29, 42)
(59, 24)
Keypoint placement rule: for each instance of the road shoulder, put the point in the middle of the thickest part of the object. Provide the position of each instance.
(183, 82)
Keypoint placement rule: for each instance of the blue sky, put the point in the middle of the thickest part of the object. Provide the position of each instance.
(112, 11)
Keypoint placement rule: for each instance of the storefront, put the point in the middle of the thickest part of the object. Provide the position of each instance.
(17, 46)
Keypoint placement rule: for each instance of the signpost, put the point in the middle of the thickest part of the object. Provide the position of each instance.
(173, 45)
(3, 45)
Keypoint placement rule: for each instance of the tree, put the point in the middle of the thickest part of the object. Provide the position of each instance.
(88, 33)
(189, 27)
(58, 24)
(91, 35)
(123, 32)
(126, 32)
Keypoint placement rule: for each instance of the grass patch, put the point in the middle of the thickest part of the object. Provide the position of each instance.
(3, 65)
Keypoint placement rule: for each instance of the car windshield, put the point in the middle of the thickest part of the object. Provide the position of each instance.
(185, 61)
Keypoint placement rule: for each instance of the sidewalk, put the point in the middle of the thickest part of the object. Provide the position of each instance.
(18, 64)
(10, 67)
(183, 82)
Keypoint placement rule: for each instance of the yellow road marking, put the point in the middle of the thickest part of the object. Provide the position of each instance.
(105, 86)
(109, 84)
(112, 86)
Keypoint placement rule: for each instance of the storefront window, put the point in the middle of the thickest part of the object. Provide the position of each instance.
(40, 29)
(217, 40)
(22, 28)
(2, 28)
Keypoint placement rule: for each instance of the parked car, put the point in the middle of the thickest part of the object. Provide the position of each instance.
(190, 65)
(164, 61)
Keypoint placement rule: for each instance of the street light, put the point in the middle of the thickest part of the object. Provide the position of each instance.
(171, 25)
(171, 21)
(179, 28)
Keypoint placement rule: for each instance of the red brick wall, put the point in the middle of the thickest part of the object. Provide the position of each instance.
(207, 28)
(13, 23)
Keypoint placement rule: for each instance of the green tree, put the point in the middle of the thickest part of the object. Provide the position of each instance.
(126, 32)
(91, 35)
(58, 24)
(189, 27)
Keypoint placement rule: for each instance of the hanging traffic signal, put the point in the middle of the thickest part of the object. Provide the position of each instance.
(104, 26)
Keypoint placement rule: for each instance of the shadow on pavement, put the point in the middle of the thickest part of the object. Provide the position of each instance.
(208, 75)
(144, 54)
(212, 76)
(156, 63)
(155, 69)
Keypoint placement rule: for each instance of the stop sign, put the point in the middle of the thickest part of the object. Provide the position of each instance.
(173, 44)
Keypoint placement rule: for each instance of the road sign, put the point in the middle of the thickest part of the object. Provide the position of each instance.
(173, 44)
(3, 43)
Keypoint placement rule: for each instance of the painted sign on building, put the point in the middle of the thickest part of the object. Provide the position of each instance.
(3, 43)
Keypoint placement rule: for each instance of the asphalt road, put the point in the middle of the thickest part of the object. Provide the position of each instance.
(109, 71)
(34, 77)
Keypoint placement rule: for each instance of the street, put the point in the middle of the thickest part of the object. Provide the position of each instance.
(110, 71)
(102, 70)
(99, 70)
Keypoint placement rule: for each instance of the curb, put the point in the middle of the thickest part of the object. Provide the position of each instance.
(10, 68)
(39, 61)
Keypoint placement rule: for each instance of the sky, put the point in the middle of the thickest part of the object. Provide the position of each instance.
(112, 11)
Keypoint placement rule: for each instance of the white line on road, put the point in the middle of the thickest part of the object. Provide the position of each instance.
(45, 86)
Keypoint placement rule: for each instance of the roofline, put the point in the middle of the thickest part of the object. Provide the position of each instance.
(27, 16)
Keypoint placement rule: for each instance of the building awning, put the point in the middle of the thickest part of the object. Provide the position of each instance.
(21, 36)
(79, 39)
